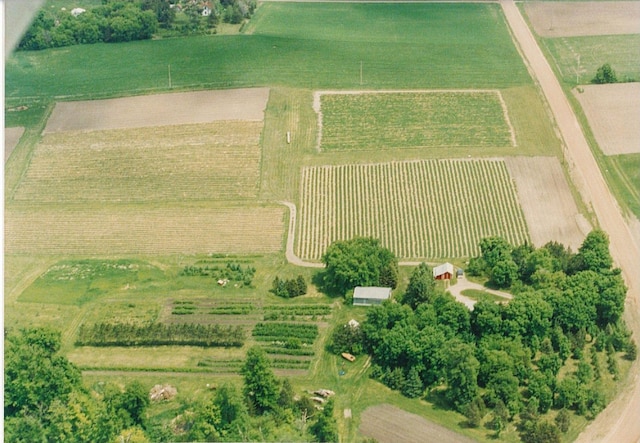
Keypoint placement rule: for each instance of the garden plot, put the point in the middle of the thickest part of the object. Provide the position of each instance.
(159, 110)
(546, 199)
(219, 160)
(418, 209)
(566, 19)
(613, 112)
(412, 119)
(388, 424)
(118, 230)
(11, 139)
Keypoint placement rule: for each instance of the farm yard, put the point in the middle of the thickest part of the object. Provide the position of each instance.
(121, 213)
(418, 209)
(378, 120)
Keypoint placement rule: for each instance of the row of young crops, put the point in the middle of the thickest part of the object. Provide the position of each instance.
(418, 209)
(216, 161)
(413, 119)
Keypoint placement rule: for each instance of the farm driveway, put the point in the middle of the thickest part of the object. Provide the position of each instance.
(463, 284)
(11, 139)
(619, 421)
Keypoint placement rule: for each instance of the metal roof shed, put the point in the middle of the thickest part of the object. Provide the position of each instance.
(370, 295)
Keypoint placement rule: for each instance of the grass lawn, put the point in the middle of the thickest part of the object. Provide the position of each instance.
(398, 45)
(624, 175)
(479, 295)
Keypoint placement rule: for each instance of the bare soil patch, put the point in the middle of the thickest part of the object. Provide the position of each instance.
(572, 19)
(11, 139)
(613, 112)
(184, 229)
(159, 110)
(388, 424)
(549, 208)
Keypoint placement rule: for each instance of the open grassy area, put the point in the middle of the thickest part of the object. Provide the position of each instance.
(624, 173)
(620, 51)
(423, 46)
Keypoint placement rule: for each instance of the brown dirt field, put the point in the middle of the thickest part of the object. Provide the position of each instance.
(388, 424)
(613, 112)
(549, 208)
(184, 229)
(11, 139)
(159, 110)
(572, 19)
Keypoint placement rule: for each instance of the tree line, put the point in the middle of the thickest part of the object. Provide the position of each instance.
(501, 363)
(122, 21)
(160, 334)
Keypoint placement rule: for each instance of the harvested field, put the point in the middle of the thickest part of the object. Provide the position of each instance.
(567, 19)
(219, 160)
(412, 119)
(546, 199)
(135, 230)
(613, 112)
(159, 110)
(389, 424)
(11, 139)
(418, 209)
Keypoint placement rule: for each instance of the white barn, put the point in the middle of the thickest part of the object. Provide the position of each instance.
(370, 295)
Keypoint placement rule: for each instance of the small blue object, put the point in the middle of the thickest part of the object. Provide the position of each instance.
(341, 372)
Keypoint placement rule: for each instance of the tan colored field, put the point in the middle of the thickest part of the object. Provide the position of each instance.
(219, 160)
(159, 110)
(389, 424)
(546, 200)
(613, 112)
(11, 139)
(572, 19)
(185, 229)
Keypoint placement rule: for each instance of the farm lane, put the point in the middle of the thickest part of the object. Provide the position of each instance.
(619, 421)
(463, 284)
(291, 237)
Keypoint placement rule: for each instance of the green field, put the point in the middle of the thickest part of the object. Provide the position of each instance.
(620, 51)
(427, 209)
(398, 45)
(436, 119)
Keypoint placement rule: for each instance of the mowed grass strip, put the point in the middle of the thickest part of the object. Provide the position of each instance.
(419, 209)
(378, 120)
(218, 160)
(121, 230)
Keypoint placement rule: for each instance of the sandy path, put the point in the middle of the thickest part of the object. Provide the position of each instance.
(11, 139)
(463, 284)
(291, 236)
(619, 421)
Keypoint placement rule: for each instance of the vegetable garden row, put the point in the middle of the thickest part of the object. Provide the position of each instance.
(414, 119)
(418, 209)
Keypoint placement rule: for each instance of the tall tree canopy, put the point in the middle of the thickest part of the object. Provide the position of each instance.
(361, 261)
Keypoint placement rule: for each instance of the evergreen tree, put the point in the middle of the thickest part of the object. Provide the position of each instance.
(260, 384)
(412, 386)
(325, 429)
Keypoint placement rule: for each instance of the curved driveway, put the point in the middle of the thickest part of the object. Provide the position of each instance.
(619, 422)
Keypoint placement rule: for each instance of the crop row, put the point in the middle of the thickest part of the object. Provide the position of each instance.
(414, 119)
(159, 334)
(419, 209)
(285, 331)
(299, 309)
(189, 162)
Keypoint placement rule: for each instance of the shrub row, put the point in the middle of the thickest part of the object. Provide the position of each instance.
(299, 309)
(159, 334)
(285, 331)
(275, 350)
(232, 272)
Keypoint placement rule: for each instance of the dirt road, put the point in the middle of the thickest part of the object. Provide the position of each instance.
(619, 421)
